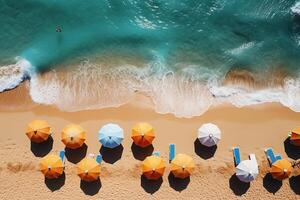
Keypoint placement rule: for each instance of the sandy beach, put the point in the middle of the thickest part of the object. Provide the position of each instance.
(252, 129)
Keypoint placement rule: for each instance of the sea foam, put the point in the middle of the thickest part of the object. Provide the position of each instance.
(12, 75)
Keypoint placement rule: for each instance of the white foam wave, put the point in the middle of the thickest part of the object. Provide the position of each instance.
(189, 92)
(12, 75)
(296, 8)
(288, 95)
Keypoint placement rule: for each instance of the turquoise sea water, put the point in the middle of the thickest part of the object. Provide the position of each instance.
(208, 37)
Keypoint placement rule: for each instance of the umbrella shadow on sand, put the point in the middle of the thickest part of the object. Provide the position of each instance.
(42, 149)
(56, 183)
(238, 187)
(90, 188)
(270, 184)
(204, 151)
(151, 186)
(76, 155)
(141, 153)
(111, 155)
(291, 150)
(178, 184)
(295, 184)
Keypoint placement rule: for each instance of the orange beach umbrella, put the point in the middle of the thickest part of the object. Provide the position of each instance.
(51, 166)
(182, 166)
(295, 136)
(142, 134)
(73, 136)
(281, 169)
(88, 169)
(153, 167)
(38, 131)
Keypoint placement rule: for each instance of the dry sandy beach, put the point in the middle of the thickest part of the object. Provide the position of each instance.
(252, 129)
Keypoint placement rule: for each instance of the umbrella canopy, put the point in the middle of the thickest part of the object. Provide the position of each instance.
(111, 135)
(247, 170)
(73, 136)
(88, 169)
(142, 134)
(51, 166)
(153, 167)
(38, 131)
(182, 166)
(295, 136)
(209, 134)
(281, 169)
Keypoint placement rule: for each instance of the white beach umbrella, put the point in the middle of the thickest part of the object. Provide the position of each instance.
(247, 170)
(209, 134)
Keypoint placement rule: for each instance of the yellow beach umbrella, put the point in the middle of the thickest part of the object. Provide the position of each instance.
(153, 167)
(182, 166)
(281, 169)
(88, 169)
(51, 166)
(142, 134)
(38, 131)
(295, 136)
(73, 136)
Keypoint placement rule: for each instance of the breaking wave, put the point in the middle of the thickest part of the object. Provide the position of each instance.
(185, 93)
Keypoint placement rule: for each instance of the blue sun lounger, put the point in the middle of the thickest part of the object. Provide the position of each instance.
(62, 155)
(271, 156)
(236, 155)
(99, 158)
(171, 152)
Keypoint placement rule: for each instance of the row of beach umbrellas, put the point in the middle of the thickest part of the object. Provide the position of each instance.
(153, 167)
(111, 135)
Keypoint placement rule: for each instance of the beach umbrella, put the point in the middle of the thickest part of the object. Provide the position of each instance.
(209, 134)
(247, 170)
(142, 134)
(153, 167)
(111, 135)
(88, 169)
(38, 131)
(73, 136)
(182, 166)
(281, 169)
(51, 166)
(295, 136)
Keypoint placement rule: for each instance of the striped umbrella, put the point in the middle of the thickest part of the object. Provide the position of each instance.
(51, 166)
(247, 170)
(281, 169)
(142, 134)
(88, 169)
(153, 167)
(182, 166)
(209, 134)
(73, 136)
(111, 135)
(38, 131)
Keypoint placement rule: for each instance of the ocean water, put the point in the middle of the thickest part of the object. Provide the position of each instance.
(186, 55)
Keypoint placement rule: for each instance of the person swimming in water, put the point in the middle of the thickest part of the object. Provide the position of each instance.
(58, 29)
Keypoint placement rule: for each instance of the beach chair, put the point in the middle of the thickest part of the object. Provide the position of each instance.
(171, 152)
(270, 155)
(278, 157)
(62, 155)
(99, 158)
(236, 155)
(156, 153)
(252, 157)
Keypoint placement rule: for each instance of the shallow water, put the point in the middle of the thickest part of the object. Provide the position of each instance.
(178, 52)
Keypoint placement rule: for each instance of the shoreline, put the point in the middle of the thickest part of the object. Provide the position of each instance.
(252, 128)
